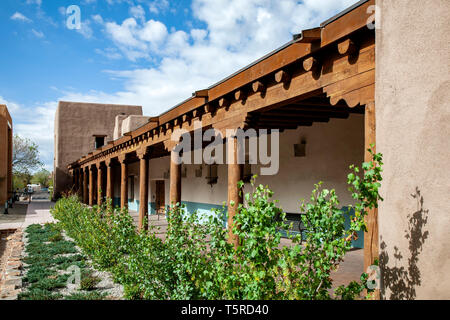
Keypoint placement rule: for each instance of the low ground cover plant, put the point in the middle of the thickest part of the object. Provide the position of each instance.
(196, 261)
(48, 257)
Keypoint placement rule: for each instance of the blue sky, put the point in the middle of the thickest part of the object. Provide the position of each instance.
(153, 53)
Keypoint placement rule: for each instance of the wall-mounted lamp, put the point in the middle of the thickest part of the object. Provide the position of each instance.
(300, 149)
(167, 174)
(199, 172)
(247, 174)
(212, 175)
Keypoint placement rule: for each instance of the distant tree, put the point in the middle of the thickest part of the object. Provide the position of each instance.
(21, 180)
(25, 156)
(42, 177)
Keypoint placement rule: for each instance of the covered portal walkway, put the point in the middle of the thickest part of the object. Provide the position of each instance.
(323, 76)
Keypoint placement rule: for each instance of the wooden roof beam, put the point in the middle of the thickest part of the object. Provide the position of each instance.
(317, 109)
(309, 35)
(201, 93)
(154, 120)
(309, 114)
(291, 120)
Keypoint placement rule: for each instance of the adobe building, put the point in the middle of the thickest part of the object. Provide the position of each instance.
(6, 150)
(81, 128)
(362, 77)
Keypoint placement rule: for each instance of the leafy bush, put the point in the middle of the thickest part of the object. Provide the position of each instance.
(196, 262)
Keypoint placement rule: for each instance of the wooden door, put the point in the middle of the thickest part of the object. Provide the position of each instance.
(160, 197)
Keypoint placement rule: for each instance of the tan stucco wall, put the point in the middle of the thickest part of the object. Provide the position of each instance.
(5, 155)
(413, 131)
(75, 127)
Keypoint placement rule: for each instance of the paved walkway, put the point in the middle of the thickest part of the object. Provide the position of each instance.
(24, 214)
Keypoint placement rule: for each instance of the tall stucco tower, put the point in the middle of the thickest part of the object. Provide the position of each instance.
(81, 128)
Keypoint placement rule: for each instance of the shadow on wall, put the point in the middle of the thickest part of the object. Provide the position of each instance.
(62, 183)
(402, 281)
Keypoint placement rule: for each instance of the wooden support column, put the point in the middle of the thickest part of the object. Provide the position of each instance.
(80, 183)
(91, 185)
(234, 176)
(75, 180)
(371, 241)
(123, 182)
(143, 189)
(99, 184)
(109, 180)
(79, 179)
(85, 186)
(175, 179)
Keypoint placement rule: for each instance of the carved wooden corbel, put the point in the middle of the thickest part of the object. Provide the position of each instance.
(239, 95)
(282, 76)
(258, 86)
(310, 64)
(170, 144)
(223, 102)
(347, 47)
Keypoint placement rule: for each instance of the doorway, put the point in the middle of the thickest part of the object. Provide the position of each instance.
(160, 197)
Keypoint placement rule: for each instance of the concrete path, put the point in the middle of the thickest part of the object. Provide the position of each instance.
(24, 214)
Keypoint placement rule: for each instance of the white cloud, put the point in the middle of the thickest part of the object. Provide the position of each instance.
(97, 18)
(62, 11)
(37, 2)
(110, 53)
(20, 17)
(137, 12)
(153, 31)
(136, 40)
(38, 34)
(124, 34)
(85, 30)
(158, 6)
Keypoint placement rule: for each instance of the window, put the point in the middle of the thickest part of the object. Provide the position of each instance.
(99, 142)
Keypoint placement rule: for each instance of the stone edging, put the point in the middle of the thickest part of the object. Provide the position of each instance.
(11, 276)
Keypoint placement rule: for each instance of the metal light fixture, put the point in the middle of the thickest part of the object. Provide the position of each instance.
(247, 174)
(300, 149)
(166, 174)
(212, 175)
(199, 172)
